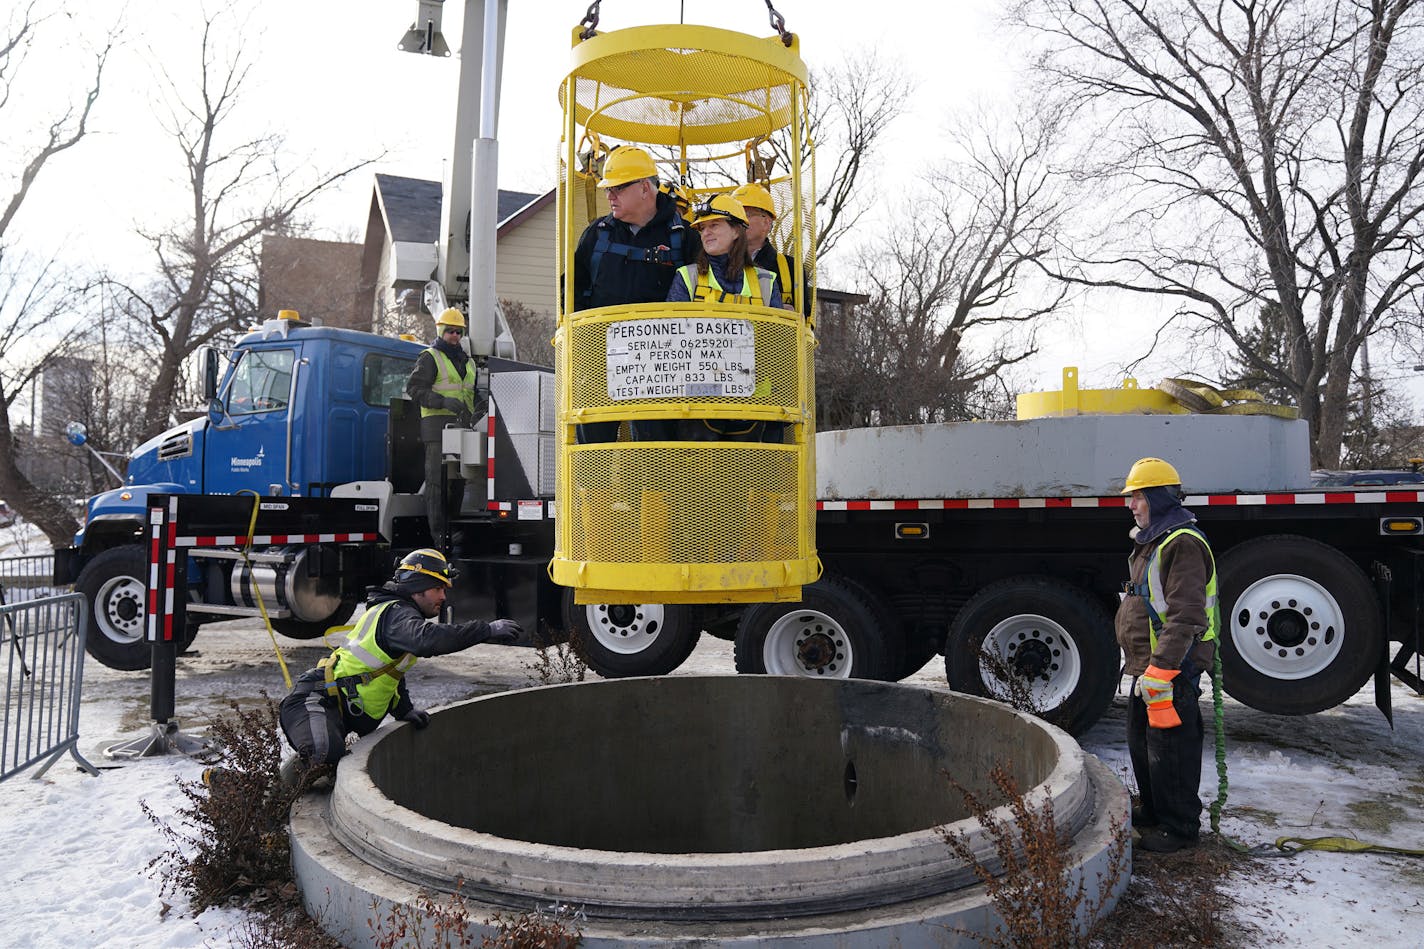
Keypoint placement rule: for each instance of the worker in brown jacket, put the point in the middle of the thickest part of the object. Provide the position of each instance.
(1166, 626)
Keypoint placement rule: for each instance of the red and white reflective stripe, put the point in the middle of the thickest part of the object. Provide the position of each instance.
(269, 540)
(491, 504)
(1199, 500)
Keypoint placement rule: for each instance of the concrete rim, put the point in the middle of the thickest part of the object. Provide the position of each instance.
(759, 884)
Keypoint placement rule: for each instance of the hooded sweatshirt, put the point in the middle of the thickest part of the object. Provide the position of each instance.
(1186, 565)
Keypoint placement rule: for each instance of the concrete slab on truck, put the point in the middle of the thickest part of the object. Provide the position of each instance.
(1083, 456)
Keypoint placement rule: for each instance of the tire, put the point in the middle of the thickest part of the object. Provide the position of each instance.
(1040, 644)
(1301, 625)
(839, 630)
(647, 639)
(117, 596)
(303, 629)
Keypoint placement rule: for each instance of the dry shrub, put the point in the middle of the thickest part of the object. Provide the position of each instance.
(230, 838)
(1030, 881)
(1181, 893)
(430, 923)
(557, 663)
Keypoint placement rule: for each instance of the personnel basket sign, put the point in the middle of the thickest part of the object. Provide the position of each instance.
(681, 357)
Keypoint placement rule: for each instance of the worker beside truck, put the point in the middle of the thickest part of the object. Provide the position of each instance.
(1166, 627)
(443, 385)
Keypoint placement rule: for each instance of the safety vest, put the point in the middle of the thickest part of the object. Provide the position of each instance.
(362, 673)
(1157, 599)
(756, 286)
(451, 384)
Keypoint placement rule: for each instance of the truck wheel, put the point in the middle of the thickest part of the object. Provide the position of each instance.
(1302, 625)
(839, 630)
(1039, 644)
(617, 640)
(117, 598)
(302, 629)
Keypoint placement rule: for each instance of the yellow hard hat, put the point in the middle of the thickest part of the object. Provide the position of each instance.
(624, 164)
(719, 207)
(451, 317)
(1150, 473)
(678, 194)
(753, 195)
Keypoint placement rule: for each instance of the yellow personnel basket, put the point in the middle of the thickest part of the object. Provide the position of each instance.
(689, 517)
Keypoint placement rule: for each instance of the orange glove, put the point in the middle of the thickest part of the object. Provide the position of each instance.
(1155, 688)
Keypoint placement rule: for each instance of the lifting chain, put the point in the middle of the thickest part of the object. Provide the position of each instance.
(590, 21)
(778, 23)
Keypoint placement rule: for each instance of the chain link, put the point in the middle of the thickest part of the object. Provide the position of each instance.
(778, 23)
(590, 21)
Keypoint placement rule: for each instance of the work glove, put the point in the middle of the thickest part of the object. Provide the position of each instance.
(418, 717)
(1155, 689)
(453, 405)
(504, 632)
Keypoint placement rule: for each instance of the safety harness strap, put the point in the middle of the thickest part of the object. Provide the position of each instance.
(670, 256)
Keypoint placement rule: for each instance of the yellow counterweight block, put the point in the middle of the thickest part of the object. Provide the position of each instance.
(697, 516)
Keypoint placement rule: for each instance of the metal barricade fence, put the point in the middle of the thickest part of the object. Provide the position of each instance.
(42, 654)
(27, 578)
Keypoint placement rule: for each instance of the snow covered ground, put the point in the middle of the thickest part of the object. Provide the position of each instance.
(78, 846)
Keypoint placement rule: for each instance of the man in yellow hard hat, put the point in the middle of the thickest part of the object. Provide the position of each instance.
(443, 385)
(364, 680)
(630, 256)
(1167, 627)
(761, 216)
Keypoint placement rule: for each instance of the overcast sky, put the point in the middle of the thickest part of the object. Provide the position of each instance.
(328, 77)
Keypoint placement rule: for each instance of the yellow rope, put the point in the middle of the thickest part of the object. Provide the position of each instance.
(257, 587)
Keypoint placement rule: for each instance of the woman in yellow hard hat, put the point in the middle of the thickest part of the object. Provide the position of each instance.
(1166, 626)
(724, 273)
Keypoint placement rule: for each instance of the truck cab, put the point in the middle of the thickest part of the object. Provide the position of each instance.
(298, 410)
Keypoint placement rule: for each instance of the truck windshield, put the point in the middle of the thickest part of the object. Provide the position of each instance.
(261, 382)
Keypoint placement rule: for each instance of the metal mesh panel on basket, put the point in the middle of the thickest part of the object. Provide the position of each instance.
(729, 503)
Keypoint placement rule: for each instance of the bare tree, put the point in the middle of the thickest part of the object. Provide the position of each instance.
(30, 290)
(207, 265)
(852, 106)
(1267, 154)
(946, 315)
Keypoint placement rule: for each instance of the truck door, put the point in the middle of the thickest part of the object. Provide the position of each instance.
(247, 447)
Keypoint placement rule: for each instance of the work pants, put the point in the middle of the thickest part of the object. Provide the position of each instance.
(312, 721)
(1167, 761)
(437, 507)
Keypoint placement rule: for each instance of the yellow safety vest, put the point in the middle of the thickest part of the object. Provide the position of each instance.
(1157, 599)
(756, 286)
(451, 384)
(371, 676)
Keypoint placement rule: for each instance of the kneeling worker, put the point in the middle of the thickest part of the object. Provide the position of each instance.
(363, 681)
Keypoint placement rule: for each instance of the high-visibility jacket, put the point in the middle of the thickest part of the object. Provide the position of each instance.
(1157, 599)
(757, 286)
(451, 384)
(361, 671)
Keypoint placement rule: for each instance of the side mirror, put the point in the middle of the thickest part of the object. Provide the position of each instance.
(209, 359)
(215, 411)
